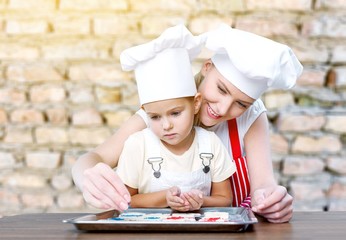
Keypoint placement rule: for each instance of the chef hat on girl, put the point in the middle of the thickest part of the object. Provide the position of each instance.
(252, 63)
(163, 66)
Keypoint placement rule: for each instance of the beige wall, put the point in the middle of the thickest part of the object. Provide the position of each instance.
(62, 90)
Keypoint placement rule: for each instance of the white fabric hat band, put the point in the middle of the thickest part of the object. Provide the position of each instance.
(252, 88)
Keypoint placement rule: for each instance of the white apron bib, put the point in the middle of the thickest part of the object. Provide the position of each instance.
(163, 179)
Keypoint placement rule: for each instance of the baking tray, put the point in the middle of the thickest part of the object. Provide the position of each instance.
(238, 220)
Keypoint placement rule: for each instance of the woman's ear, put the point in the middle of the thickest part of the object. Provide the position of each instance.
(206, 66)
(197, 102)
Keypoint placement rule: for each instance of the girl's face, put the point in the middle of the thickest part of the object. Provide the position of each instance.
(172, 121)
(221, 99)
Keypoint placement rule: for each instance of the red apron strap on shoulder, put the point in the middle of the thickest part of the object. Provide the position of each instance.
(234, 137)
(240, 179)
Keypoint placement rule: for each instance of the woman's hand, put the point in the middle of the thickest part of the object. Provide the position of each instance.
(102, 188)
(273, 203)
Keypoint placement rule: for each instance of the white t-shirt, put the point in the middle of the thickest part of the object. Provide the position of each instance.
(136, 172)
(244, 122)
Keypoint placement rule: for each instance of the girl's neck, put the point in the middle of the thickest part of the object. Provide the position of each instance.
(183, 146)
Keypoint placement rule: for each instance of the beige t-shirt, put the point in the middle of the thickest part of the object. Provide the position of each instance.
(135, 171)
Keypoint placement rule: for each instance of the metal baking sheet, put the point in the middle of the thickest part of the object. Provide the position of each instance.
(239, 219)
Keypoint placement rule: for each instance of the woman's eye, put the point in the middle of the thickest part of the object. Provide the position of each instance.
(242, 105)
(154, 117)
(222, 90)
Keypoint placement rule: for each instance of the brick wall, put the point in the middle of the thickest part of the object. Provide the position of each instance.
(62, 91)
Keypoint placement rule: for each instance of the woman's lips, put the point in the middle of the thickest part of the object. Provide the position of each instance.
(212, 114)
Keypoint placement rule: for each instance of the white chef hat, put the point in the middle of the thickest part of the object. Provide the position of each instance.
(252, 63)
(163, 66)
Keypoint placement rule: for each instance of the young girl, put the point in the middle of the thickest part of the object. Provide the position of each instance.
(172, 163)
(231, 83)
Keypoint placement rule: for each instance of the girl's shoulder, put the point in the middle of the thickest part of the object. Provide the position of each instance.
(135, 139)
(205, 132)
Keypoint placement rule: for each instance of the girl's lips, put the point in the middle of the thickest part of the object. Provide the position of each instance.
(211, 113)
(169, 136)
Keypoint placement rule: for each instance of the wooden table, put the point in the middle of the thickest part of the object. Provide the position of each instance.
(304, 225)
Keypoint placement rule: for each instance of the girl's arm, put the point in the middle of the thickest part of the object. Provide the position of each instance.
(93, 172)
(268, 198)
(220, 196)
(148, 200)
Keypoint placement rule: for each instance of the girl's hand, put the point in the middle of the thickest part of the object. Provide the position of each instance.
(273, 203)
(102, 188)
(194, 198)
(174, 200)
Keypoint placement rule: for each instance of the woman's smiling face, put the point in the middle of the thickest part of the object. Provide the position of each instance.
(221, 99)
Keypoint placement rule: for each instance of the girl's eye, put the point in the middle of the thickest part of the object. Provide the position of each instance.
(176, 113)
(154, 117)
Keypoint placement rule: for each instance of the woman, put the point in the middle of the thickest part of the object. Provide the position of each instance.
(243, 67)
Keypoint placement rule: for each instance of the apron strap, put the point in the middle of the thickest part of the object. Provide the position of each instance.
(152, 144)
(204, 142)
(240, 182)
(204, 148)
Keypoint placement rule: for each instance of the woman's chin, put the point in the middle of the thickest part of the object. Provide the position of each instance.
(208, 122)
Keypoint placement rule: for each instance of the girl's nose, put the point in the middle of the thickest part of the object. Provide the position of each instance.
(166, 124)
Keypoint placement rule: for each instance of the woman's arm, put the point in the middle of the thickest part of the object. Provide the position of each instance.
(268, 198)
(257, 145)
(93, 172)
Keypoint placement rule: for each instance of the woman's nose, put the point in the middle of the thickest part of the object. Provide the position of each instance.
(225, 106)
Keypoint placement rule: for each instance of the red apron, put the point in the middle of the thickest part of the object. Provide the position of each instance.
(240, 182)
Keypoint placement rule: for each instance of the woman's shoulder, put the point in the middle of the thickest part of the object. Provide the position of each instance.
(253, 112)
(257, 106)
(143, 115)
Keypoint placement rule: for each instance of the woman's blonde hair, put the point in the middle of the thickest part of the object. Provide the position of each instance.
(198, 79)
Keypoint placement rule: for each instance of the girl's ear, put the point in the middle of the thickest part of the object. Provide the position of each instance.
(197, 102)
